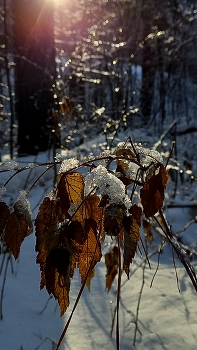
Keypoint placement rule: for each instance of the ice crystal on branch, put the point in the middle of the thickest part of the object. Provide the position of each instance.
(9, 165)
(68, 164)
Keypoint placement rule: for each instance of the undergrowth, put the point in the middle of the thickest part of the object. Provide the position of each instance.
(114, 194)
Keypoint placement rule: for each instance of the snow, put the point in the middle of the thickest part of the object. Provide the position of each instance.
(68, 164)
(31, 319)
(108, 184)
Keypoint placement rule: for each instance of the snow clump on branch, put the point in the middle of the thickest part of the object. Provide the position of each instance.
(108, 184)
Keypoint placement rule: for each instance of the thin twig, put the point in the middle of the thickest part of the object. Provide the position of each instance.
(177, 278)
(158, 262)
(118, 297)
(138, 304)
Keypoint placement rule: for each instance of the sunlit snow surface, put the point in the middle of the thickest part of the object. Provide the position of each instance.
(167, 320)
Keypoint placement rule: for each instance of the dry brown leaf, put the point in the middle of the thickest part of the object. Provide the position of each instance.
(137, 213)
(152, 193)
(76, 237)
(70, 190)
(22, 210)
(131, 238)
(91, 253)
(92, 209)
(113, 219)
(125, 152)
(46, 232)
(111, 262)
(15, 233)
(57, 275)
(46, 224)
(4, 214)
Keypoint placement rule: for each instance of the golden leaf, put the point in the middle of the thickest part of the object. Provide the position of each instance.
(70, 190)
(92, 209)
(91, 253)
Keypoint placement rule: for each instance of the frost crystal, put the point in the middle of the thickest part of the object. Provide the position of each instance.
(106, 154)
(2, 192)
(150, 155)
(9, 165)
(108, 184)
(24, 208)
(89, 184)
(31, 165)
(68, 164)
(22, 203)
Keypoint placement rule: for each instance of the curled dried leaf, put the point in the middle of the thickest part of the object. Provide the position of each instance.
(152, 192)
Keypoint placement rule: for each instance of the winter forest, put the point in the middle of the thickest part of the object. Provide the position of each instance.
(98, 174)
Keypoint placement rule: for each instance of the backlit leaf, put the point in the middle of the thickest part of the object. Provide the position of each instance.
(46, 232)
(57, 274)
(152, 193)
(4, 214)
(131, 238)
(91, 253)
(70, 190)
(111, 262)
(92, 209)
(15, 232)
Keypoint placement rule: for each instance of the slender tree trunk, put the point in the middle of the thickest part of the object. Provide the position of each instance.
(34, 72)
(148, 62)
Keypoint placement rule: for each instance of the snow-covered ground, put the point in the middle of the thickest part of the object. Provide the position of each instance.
(167, 319)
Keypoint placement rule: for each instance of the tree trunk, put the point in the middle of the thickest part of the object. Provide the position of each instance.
(148, 60)
(34, 73)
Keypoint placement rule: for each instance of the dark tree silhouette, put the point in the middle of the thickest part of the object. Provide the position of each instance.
(34, 72)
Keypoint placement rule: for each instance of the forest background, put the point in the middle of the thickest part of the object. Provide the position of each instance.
(78, 77)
